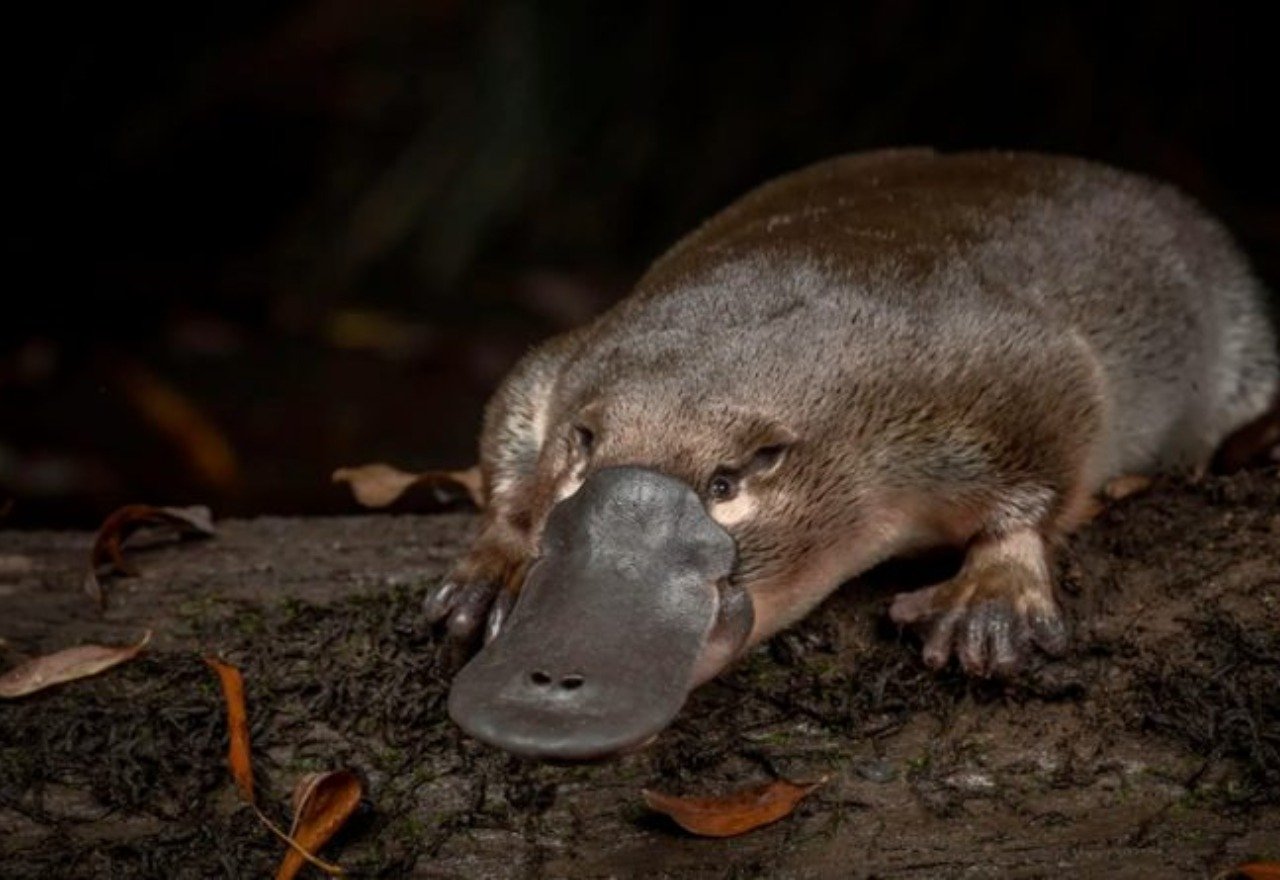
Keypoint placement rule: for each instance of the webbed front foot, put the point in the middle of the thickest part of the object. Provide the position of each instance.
(473, 601)
(992, 613)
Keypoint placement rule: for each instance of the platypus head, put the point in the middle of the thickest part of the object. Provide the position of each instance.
(635, 597)
(628, 608)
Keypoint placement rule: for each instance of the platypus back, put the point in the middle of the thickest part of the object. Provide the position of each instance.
(871, 258)
(874, 355)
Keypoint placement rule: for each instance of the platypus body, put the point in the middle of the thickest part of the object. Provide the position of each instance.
(878, 354)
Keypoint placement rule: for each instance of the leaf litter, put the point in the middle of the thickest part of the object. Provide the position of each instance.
(106, 557)
(66, 665)
(735, 813)
(322, 802)
(380, 485)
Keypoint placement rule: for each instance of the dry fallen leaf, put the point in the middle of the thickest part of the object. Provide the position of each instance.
(322, 803)
(734, 813)
(68, 665)
(381, 485)
(107, 552)
(1256, 871)
(240, 759)
(238, 755)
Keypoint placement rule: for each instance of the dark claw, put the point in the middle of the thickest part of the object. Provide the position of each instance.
(470, 610)
(994, 644)
(1049, 632)
(466, 621)
(988, 640)
(439, 600)
(1008, 647)
(502, 606)
(464, 608)
(971, 646)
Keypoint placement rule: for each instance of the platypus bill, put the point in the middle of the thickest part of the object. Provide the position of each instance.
(878, 354)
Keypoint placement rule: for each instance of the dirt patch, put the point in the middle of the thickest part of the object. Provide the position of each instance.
(1153, 749)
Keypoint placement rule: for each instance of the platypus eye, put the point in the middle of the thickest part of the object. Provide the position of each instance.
(722, 487)
(585, 438)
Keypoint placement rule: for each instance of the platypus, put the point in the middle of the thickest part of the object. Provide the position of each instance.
(875, 355)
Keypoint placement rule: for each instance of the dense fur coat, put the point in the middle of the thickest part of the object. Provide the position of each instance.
(887, 351)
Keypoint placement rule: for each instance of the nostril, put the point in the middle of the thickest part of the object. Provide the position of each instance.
(572, 682)
(540, 678)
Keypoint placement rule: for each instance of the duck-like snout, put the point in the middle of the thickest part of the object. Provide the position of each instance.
(614, 626)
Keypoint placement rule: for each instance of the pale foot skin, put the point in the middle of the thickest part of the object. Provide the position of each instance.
(1122, 487)
(1115, 489)
(993, 612)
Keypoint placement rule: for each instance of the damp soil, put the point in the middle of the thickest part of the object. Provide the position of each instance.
(1151, 750)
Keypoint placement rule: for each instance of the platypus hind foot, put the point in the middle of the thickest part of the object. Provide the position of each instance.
(992, 612)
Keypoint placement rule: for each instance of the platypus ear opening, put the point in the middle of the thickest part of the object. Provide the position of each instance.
(766, 459)
(585, 438)
(584, 428)
(771, 450)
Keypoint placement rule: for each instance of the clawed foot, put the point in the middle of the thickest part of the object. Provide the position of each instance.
(992, 613)
(474, 600)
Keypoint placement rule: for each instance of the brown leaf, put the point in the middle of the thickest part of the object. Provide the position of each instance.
(68, 665)
(471, 481)
(734, 813)
(381, 485)
(240, 759)
(1257, 871)
(107, 555)
(322, 803)
(238, 755)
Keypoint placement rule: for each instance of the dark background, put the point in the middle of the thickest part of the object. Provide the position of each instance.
(250, 243)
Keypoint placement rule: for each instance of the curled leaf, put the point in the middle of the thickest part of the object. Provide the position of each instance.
(67, 665)
(238, 754)
(381, 485)
(322, 803)
(294, 847)
(240, 760)
(107, 555)
(734, 813)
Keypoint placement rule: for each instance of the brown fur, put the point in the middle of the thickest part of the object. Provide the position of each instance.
(894, 350)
